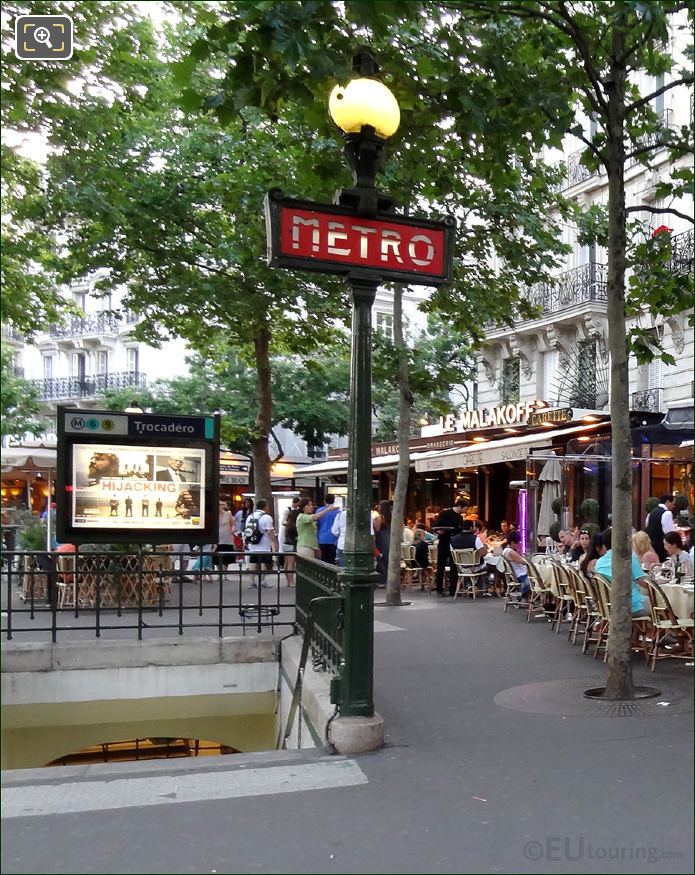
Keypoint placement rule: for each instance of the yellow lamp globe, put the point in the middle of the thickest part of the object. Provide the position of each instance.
(364, 102)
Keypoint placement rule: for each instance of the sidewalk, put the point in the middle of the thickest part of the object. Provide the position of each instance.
(541, 781)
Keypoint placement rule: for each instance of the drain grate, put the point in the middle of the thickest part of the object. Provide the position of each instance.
(566, 698)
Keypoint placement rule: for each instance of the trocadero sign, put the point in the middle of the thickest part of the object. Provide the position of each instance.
(334, 239)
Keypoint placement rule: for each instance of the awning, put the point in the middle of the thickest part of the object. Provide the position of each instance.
(513, 449)
(340, 466)
(24, 463)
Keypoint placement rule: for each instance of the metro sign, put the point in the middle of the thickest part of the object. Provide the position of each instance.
(333, 239)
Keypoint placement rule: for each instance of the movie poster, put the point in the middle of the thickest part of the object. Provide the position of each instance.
(137, 487)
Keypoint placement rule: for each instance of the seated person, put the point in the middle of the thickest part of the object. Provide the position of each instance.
(603, 567)
(422, 550)
(480, 528)
(517, 561)
(581, 546)
(673, 544)
(642, 547)
(587, 563)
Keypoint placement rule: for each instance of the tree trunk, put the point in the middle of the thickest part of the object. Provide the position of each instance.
(393, 580)
(619, 684)
(259, 443)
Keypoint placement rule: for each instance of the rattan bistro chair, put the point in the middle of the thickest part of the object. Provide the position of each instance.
(410, 570)
(640, 625)
(468, 564)
(512, 587)
(541, 595)
(665, 622)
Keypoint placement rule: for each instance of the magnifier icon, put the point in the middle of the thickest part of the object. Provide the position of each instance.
(43, 35)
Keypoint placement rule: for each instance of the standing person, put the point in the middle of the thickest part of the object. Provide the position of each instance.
(240, 517)
(289, 538)
(261, 550)
(307, 540)
(158, 507)
(660, 523)
(224, 551)
(338, 529)
(382, 540)
(447, 524)
(145, 507)
(327, 540)
(129, 506)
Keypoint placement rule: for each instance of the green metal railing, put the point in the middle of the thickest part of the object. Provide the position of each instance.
(317, 579)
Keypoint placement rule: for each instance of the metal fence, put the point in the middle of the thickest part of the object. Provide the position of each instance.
(316, 580)
(87, 594)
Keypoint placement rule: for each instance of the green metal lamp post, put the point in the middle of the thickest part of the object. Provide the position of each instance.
(366, 112)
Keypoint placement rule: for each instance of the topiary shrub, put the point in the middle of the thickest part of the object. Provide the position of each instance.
(555, 531)
(588, 510)
(556, 505)
(651, 503)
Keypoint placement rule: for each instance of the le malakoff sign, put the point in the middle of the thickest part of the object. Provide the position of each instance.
(326, 238)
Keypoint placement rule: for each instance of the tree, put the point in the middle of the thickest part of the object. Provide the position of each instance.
(311, 396)
(19, 402)
(171, 207)
(599, 47)
(34, 97)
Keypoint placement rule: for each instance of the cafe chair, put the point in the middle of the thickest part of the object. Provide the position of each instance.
(512, 587)
(640, 625)
(593, 614)
(564, 603)
(410, 570)
(665, 622)
(541, 594)
(468, 565)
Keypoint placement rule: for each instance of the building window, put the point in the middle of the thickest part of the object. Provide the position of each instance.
(384, 324)
(80, 298)
(102, 363)
(133, 360)
(509, 388)
(550, 370)
(48, 367)
(79, 365)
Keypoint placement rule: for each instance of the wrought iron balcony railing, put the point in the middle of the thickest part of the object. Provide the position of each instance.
(655, 138)
(646, 401)
(682, 253)
(92, 386)
(9, 332)
(77, 326)
(579, 286)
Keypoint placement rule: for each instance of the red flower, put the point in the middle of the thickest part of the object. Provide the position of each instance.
(662, 229)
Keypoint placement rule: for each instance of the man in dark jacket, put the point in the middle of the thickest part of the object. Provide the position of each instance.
(659, 523)
(446, 525)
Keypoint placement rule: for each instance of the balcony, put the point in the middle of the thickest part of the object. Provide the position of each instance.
(87, 326)
(681, 260)
(582, 285)
(92, 386)
(10, 333)
(654, 138)
(646, 401)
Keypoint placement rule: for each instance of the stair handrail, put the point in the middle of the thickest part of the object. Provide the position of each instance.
(299, 683)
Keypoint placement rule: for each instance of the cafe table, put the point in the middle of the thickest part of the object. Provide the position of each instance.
(681, 597)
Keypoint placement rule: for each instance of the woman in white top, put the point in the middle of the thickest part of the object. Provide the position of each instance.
(224, 551)
(673, 544)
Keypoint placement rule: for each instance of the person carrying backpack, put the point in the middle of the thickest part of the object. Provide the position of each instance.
(260, 540)
(289, 539)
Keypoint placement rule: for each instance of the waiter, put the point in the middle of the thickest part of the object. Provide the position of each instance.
(446, 525)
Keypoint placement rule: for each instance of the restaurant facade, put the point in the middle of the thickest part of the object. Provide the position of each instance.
(503, 459)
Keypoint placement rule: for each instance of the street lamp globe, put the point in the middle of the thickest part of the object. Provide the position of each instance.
(362, 103)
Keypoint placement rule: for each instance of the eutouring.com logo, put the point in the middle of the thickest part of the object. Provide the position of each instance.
(557, 849)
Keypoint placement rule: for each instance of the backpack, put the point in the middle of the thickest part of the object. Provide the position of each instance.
(291, 523)
(252, 531)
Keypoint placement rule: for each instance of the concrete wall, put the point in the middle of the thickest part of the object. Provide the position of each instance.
(58, 699)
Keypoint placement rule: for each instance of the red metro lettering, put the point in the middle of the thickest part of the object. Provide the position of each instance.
(362, 242)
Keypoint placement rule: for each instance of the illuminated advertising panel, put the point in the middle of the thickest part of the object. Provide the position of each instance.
(137, 478)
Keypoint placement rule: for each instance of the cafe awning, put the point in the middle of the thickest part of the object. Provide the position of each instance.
(513, 449)
(24, 463)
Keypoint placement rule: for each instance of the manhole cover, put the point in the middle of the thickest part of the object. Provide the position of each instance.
(566, 698)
